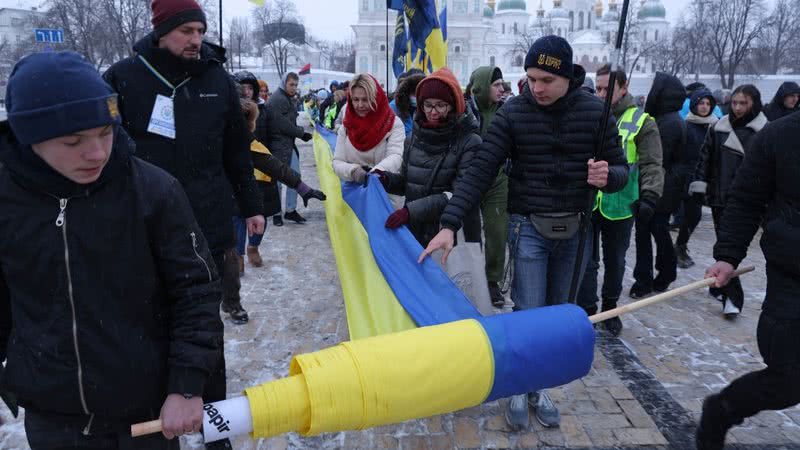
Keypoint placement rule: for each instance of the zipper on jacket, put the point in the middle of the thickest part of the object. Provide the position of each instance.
(194, 247)
(61, 222)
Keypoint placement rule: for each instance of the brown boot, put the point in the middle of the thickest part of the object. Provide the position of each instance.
(241, 265)
(254, 257)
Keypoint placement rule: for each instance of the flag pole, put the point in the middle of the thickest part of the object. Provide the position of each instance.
(220, 23)
(387, 46)
(601, 138)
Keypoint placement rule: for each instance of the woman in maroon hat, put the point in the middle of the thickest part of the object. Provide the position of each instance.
(441, 145)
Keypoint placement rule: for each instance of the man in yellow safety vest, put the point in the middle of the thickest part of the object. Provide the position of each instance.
(614, 214)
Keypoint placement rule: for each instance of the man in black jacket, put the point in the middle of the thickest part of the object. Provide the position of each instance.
(182, 109)
(109, 302)
(664, 103)
(548, 133)
(282, 130)
(766, 191)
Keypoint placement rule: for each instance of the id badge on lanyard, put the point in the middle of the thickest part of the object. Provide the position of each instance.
(162, 118)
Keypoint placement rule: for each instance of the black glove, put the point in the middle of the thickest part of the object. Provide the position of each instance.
(313, 193)
(306, 137)
(382, 177)
(307, 193)
(643, 209)
(367, 170)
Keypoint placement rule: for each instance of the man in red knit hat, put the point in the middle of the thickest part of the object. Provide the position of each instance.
(182, 109)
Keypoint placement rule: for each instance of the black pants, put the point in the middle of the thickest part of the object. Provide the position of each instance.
(616, 238)
(692, 213)
(666, 262)
(778, 386)
(216, 387)
(733, 290)
(58, 432)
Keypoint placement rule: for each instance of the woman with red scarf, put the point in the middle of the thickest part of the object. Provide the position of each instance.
(371, 137)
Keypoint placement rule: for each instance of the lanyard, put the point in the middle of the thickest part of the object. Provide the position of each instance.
(161, 77)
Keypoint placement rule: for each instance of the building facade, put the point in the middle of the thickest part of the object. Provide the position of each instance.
(500, 32)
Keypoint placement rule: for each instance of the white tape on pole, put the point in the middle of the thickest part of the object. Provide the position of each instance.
(226, 419)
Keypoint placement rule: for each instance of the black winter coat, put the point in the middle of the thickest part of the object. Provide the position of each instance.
(549, 147)
(211, 151)
(722, 153)
(664, 103)
(775, 110)
(434, 162)
(129, 269)
(261, 123)
(767, 187)
(282, 128)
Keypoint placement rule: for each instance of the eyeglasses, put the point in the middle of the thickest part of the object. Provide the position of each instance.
(441, 108)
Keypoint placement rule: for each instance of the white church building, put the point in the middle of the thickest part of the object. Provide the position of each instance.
(498, 33)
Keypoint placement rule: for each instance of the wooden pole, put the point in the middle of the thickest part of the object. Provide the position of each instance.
(145, 428)
(616, 312)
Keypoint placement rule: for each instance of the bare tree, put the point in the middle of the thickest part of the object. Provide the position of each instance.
(674, 54)
(733, 28)
(780, 34)
(279, 23)
(84, 28)
(239, 39)
(127, 21)
(523, 41)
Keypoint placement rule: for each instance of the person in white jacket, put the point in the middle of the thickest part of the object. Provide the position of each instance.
(371, 137)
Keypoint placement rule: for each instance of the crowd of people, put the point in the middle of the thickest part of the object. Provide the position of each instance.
(178, 163)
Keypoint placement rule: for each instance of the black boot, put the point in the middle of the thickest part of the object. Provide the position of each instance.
(295, 217)
(498, 301)
(640, 290)
(237, 312)
(661, 282)
(614, 324)
(682, 254)
(277, 220)
(714, 424)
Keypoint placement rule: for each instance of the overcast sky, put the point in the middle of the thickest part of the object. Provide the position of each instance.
(331, 19)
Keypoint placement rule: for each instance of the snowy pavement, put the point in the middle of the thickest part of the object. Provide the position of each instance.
(644, 391)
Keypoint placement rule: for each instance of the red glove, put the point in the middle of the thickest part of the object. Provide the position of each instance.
(397, 218)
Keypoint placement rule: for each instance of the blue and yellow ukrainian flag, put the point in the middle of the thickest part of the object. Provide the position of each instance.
(426, 46)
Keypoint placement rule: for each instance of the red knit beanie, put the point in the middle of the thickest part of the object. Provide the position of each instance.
(170, 14)
(435, 88)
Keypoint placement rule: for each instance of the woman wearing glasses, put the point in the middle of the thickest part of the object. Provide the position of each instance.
(371, 137)
(437, 153)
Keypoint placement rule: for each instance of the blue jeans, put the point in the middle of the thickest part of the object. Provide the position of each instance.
(291, 194)
(616, 238)
(542, 267)
(240, 229)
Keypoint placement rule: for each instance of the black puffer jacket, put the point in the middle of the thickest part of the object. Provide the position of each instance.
(434, 162)
(766, 191)
(549, 148)
(282, 128)
(775, 110)
(137, 284)
(664, 103)
(720, 157)
(211, 151)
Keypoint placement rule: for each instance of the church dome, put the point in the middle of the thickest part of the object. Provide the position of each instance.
(488, 12)
(506, 5)
(652, 9)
